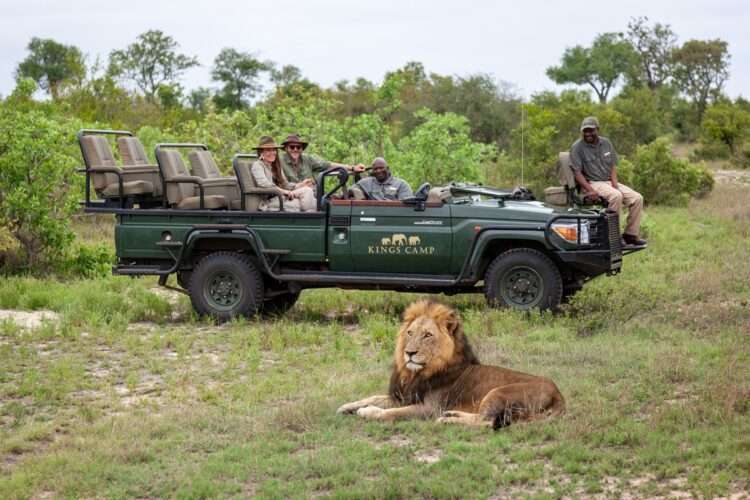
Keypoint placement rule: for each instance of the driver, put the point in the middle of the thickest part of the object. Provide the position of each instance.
(381, 185)
(300, 167)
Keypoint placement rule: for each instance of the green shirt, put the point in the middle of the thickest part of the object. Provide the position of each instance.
(307, 167)
(594, 160)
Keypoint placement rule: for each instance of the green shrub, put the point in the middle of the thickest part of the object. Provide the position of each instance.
(663, 179)
(39, 188)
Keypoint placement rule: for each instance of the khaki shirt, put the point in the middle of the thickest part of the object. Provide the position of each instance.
(307, 167)
(263, 176)
(392, 188)
(594, 160)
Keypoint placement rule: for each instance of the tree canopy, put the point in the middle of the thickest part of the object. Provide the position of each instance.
(598, 66)
(51, 63)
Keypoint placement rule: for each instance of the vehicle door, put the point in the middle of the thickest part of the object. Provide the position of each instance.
(393, 237)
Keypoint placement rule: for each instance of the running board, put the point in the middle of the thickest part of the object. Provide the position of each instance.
(375, 279)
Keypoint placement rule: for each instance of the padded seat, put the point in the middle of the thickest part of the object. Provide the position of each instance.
(128, 188)
(204, 166)
(106, 174)
(183, 190)
(251, 194)
(133, 155)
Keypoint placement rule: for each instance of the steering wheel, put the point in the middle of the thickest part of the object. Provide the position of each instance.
(422, 191)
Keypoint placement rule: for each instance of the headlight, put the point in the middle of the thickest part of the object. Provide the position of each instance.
(569, 231)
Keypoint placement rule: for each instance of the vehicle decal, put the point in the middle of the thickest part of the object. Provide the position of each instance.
(400, 244)
(428, 223)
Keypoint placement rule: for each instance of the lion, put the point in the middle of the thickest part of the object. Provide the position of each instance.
(436, 372)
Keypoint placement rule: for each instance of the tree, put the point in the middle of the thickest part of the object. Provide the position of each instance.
(726, 123)
(50, 64)
(598, 66)
(654, 46)
(198, 99)
(700, 69)
(289, 74)
(239, 73)
(150, 62)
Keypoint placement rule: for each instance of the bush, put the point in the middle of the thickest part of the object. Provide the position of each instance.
(663, 179)
(39, 188)
(440, 150)
(724, 130)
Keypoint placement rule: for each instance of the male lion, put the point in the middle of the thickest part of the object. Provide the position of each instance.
(435, 370)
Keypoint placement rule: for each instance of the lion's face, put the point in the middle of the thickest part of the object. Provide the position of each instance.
(426, 340)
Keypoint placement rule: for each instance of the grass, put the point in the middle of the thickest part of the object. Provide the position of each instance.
(129, 395)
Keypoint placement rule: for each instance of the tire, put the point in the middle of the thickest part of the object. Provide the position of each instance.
(225, 285)
(523, 278)
(280, 304)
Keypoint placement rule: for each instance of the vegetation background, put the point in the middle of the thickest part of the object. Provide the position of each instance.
(121, 392)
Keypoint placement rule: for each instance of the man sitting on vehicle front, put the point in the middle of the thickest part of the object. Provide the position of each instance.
(595, 167)
(381, 185)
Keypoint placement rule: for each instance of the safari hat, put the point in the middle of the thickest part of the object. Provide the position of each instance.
(294, 139)
(267, 142)
(589, 122)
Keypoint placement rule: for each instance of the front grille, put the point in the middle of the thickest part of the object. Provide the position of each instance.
(613, 228)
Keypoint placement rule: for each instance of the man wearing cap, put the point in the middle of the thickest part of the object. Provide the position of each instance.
(301, 167)
(381, 185)
(595, 167)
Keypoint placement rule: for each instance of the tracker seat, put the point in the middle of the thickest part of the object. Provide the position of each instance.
(204, 166)
(184, 191)
(569, 192)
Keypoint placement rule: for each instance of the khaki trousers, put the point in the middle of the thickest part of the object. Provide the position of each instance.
(616, 197)
(305, 203)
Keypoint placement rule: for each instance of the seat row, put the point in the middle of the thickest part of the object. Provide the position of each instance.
(138, 182)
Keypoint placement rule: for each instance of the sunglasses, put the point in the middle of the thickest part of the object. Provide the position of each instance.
(295, 147)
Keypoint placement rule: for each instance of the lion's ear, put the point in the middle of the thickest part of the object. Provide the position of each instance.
(453, 323)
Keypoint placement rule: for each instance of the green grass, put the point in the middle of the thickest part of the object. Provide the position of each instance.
(129, 395)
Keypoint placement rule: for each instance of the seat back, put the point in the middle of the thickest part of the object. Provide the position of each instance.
(171, 166)
(98, 153)
(132, 152)
(203, 164)
(247, 183)
(565, 171)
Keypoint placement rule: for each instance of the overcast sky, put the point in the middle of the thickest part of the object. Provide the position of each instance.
(330, 40)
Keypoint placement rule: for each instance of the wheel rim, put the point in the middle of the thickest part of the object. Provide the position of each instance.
(223, 291)
(522, 287)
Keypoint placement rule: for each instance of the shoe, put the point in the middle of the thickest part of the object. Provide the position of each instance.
(631, 239)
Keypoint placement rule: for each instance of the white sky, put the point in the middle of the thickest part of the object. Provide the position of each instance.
(330, 40)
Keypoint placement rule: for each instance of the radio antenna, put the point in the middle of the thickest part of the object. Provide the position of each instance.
(523, 127)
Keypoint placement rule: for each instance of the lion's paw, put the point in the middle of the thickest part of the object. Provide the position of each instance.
(348, 409)
(370, 412)
(450, 420)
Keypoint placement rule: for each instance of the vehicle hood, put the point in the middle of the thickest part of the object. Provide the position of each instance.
(514, 211)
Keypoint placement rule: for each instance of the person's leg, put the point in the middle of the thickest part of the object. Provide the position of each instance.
(307, 200)
(634, 201)
(612, 195)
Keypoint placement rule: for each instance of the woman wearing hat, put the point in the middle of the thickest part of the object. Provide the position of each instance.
(267, 173)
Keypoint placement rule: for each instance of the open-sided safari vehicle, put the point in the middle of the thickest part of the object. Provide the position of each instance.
(233, 259)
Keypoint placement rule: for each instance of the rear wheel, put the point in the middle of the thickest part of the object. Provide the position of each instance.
(225, 285)
(523, 278)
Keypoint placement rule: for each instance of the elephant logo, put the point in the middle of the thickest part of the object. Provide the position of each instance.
(398, 239)
(385, 241)
(414, 240)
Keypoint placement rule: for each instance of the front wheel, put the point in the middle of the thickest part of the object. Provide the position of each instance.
(226, 285)
(523, 278)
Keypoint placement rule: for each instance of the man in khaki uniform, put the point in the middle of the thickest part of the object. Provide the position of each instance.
(595, 166)
(302, 167)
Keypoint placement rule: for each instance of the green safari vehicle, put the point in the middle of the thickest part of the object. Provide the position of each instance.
(233, 259)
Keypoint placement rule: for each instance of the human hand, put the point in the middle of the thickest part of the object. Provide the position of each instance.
(593, 195)
(309, 182)
(358, 168)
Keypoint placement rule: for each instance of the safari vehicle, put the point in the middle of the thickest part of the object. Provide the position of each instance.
(233, 259)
